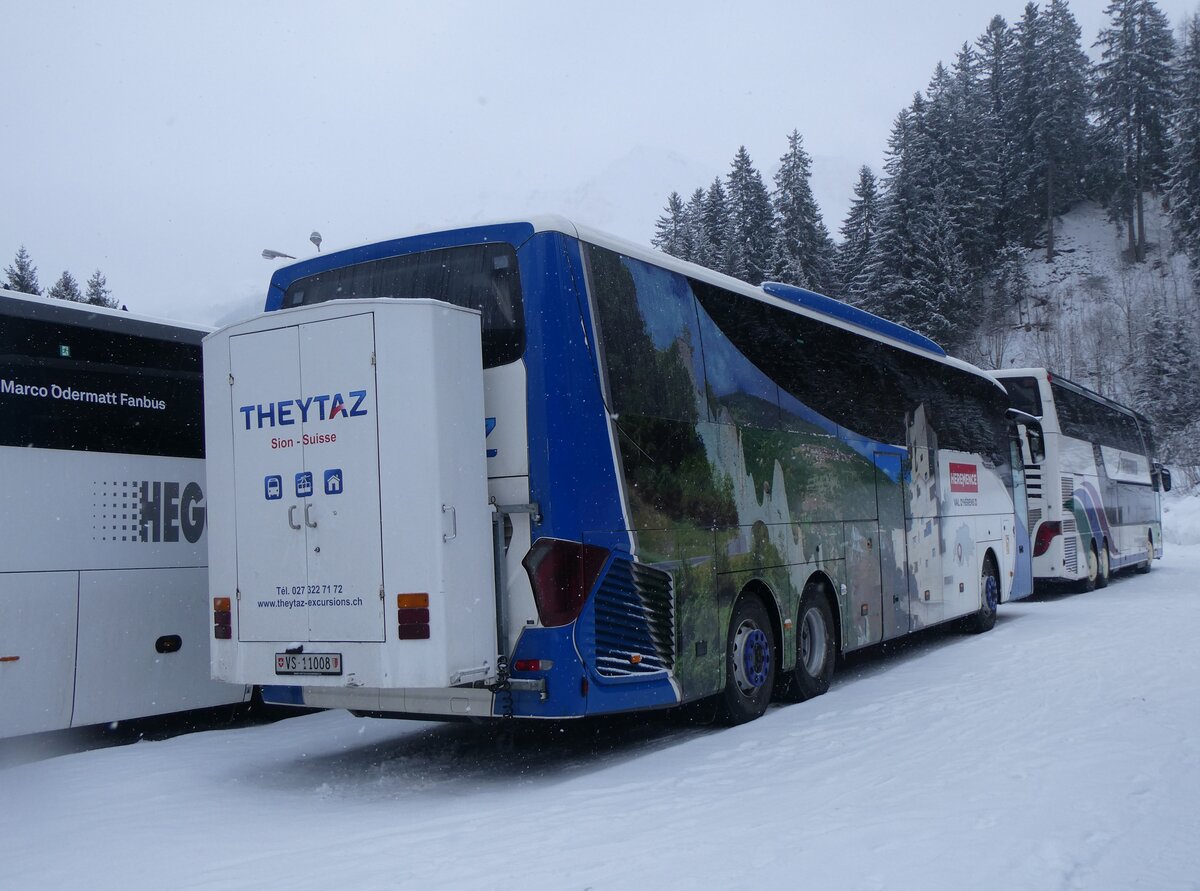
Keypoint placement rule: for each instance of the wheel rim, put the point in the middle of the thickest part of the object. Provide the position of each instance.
(751, 657)
(813, 640)
(1104, 563)
(991, 591)
(1093, 565)
(1149, 551)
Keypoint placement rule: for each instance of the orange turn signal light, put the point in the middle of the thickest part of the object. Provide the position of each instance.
(412, 601)
(221, 604)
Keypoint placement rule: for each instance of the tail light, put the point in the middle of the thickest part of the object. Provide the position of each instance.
(412, 615)
(222, 618)
(562, 573)
(1046, 533)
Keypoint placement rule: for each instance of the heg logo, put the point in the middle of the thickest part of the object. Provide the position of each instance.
(964, 478)
(166, 511)
(286, 412)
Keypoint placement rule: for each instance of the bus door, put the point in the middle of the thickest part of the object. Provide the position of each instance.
(890, 470)
(305, 446)
(1023, 551)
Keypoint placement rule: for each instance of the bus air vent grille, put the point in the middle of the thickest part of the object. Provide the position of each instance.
(1068, 490)
(1070, 550)
(635, 621)
(1035, 516)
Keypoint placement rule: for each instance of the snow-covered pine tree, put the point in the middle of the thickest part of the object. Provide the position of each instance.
(66, 288)
(1062, 122)
(1023, 157)
(803, 251)
(670, 231)
(98, 293)
(694, 218)
(968, 149)
(1167, 372)
(994, 56)
(1184, 190)
(22, 275)
(891, 261)
(715, 226)
(751, 225)
(858, 236)
(940, 302)
(1134, 98)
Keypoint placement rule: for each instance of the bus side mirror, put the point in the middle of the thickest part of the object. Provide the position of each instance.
(1036, 443)
(1162, 477)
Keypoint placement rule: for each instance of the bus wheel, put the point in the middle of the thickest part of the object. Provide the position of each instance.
(1145, 567)
(749, 663)
(1105, 568)
(816, 648)
(1088, 582)
(989, 596)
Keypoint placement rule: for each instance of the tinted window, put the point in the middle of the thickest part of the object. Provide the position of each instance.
(867, 388)
(650, 337)
(1081, 417)
(738, 391)
(1024, 394)
(66, 386)
(480, 276)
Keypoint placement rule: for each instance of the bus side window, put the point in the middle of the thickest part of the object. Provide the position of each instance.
(650, 337)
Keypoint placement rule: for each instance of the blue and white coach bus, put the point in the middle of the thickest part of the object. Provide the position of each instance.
(103, 581)
(529, 469)
(1095, 502)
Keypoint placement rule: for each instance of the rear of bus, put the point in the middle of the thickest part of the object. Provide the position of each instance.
(380, 466)
(1093, 501)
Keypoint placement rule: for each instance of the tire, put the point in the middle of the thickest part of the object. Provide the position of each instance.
(1105, 570)
(816, 648)
(1088, 582)
(1149, 564)
(989, 598)
(750, 660)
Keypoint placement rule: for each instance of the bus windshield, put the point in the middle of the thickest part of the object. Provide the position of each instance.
(479, 276)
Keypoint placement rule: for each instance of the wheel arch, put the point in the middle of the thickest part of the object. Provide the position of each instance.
(823, 583)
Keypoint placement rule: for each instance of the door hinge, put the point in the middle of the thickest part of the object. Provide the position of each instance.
(238, 594)
(231, 380)
(381, 592)
(372, 358)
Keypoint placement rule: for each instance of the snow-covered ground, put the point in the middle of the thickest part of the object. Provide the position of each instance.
(1061, 750)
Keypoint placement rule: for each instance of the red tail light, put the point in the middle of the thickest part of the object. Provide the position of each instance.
(562, 573)
(222, 618)
(1046, 533)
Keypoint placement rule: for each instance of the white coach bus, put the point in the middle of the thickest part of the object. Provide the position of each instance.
(103, 566)
(1095, 503)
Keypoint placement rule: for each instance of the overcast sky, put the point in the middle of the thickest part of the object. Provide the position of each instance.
(169, 143)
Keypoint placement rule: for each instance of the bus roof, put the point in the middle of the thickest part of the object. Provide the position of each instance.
(50, 309)
(808, 303)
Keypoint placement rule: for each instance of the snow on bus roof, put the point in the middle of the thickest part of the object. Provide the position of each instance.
(90, 315)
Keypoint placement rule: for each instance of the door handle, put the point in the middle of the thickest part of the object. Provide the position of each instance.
(308, 521)
(292, 517)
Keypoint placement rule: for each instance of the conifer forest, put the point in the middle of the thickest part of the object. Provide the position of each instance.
(1030, 147)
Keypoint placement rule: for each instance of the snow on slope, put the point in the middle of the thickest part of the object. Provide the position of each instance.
(1088, 307)
(1061, 750)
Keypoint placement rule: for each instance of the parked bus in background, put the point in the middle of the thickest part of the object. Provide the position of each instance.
(1095, 503)
(102, 568)
(532, 470)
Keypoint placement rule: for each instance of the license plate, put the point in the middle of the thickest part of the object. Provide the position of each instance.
(308, 663)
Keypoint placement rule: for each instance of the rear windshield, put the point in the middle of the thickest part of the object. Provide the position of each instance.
(1024, 395)
(478, 276)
